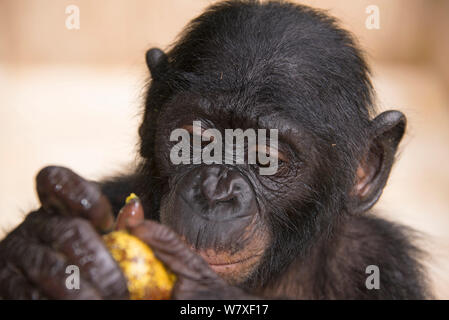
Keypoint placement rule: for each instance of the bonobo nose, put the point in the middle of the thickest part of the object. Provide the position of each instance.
(216, 192)
(220, 184)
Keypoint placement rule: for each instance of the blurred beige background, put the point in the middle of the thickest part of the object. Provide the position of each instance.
(73, 97)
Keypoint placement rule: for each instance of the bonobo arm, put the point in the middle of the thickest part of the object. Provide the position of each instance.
(64, 232)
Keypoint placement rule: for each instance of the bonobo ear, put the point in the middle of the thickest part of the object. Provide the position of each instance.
(157, 62)
(386, 131)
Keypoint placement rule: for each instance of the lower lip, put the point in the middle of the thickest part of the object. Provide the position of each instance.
(223, 266)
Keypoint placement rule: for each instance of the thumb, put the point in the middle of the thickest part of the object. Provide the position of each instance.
(131, 214)
(172, 251)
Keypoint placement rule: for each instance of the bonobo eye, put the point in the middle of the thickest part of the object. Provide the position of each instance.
(199, 131)
(271, 152)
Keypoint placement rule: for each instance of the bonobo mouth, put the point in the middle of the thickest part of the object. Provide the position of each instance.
(223, 259)
(234, 267)
(228, 265)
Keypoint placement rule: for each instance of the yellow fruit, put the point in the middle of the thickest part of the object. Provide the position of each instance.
(147, 277)
(131, 197)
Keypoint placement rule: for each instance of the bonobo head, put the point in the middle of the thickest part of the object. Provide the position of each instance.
(247, 65)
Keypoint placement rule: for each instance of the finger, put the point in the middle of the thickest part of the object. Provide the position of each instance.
(172, 251)
(14, 285)
(131, 214)
(82, 246)
(62, 191)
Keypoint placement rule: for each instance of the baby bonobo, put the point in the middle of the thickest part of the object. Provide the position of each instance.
(289, 219)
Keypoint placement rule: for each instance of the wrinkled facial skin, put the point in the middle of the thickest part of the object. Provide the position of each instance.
(226, 212)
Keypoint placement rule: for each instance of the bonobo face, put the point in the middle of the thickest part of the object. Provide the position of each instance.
(246, 68)
(224, 211)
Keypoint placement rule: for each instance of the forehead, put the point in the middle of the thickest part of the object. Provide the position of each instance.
(254, 106)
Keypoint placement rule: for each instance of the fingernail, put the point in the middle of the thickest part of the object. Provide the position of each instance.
(131, 214)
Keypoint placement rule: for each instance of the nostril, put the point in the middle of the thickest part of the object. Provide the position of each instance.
(228, 200)
(220, 186)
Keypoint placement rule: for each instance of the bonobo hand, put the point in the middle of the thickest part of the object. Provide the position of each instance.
(63, 232)
(195, 279)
